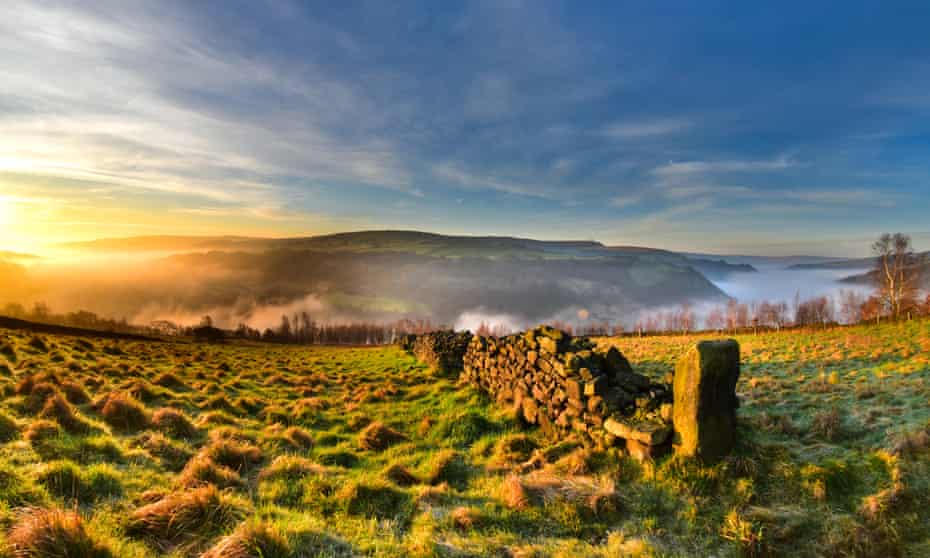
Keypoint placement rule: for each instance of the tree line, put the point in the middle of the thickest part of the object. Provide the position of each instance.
(302, 328)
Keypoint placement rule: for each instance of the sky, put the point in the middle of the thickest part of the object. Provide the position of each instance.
(716, 127)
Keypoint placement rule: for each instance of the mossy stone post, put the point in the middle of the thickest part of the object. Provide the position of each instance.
(705, 400)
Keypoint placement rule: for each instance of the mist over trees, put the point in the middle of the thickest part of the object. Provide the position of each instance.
(410, 293)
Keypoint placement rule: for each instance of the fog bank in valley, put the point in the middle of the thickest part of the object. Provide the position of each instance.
(776, 283)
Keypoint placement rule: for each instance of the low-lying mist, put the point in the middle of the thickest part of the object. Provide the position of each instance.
(256, 288)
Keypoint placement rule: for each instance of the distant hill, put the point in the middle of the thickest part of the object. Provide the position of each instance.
(779, 262)
(719, 269)
(410, 242)
(869, 277)
(386, 274)
(854, 263)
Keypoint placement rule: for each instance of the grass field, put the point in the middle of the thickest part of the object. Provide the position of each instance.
(135, 448)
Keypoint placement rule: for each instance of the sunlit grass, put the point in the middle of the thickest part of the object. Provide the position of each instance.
(362, 451)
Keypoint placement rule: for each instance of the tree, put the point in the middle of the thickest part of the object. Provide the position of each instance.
(851, 306)
(716, 319)
(897, 273)
(14, 310)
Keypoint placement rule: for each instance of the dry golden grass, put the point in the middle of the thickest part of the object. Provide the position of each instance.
(52, 533)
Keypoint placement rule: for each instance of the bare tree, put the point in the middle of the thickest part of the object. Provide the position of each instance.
(716, 319)
(851, 303)
(897, 273)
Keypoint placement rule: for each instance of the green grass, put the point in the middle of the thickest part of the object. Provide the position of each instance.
(323, 451)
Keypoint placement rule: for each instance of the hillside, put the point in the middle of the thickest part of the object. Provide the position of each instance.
(869, 277)
(324, 451)
(385, 275)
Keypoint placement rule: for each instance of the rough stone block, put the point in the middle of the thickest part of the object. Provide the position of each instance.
(597, 386)
(705, 400)
(649, 433)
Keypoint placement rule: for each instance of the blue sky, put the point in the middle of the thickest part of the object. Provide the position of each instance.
(726, 127)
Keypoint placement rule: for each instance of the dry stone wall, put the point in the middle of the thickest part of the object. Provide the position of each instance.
(443, 351)
(563, 385)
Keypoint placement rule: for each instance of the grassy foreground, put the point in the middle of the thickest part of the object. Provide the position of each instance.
(133, 448)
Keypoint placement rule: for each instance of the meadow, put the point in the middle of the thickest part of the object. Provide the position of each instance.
(153, 448)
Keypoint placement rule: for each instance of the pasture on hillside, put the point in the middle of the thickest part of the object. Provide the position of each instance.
(152, 448)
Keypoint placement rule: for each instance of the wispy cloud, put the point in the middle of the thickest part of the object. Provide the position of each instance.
(625, 200)
(646, 128)
(688, 168)
(118, 97)
(460, 177)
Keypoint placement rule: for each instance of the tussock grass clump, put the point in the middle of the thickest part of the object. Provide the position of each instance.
(378, 437)
(276, 413)
(829, 425)
(911, 444)
(174, 423)
(171, 455)
(74, 392)
(514, 494)
(298, 438)
(38, 344)
(214, 418)
(53, 533)
(251, 540)
(124, 413)
(357, 422)
(578, 462)
(290, 467)
(238, 455)
(41, 431)
(185, 517)
(466, 518)
(65, 479)
(39, 393)
(464, 429)
(9, 351)
(169, 380)
(250, 405)
(230, 433)
(201, 470)
(448, 466)
(377, 499)
(338, 458)
(59, 409)
(9, 430)
(514, 448)
(140, 390)
(16, 490)
(220, 403)
(400, 475)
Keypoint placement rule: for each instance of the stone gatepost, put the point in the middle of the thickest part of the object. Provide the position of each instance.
(705, 400)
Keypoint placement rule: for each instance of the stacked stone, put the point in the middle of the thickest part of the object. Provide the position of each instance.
(443, 351)
(406, 341)
(562, 385)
